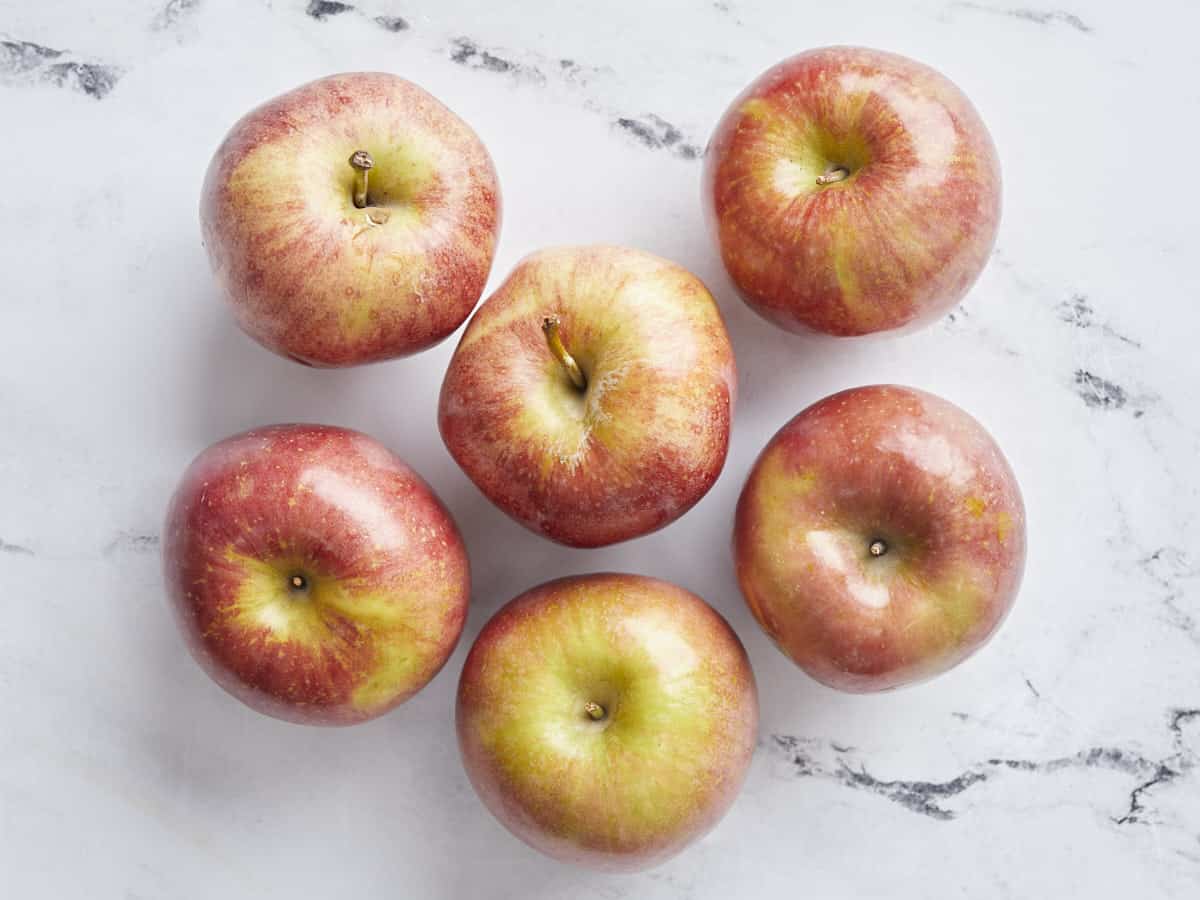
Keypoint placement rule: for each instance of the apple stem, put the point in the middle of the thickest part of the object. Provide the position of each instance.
(298, 582)
(362, 162)
(594, 710)
(877, 548)
(554, 339)
(838, 173)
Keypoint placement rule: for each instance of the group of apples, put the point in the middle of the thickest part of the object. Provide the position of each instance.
(606, 719)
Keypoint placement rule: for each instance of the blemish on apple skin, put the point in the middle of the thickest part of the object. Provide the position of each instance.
(26, 61)
(657, 133)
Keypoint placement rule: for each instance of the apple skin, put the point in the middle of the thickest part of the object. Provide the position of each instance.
(904, 467)
(671, 752)
(386, 573)
(315, 279)
(893, 246)
(645, 440)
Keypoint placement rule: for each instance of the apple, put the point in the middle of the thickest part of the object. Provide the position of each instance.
(607, 720)
(351, 220)
(590, 396)
(314, 575)
(852, 191)
(880, 538)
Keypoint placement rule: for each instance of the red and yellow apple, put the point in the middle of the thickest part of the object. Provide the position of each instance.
(880, 538)
(351, 220)
(607, 720)
(314, 575)
(852, 191)
(590, 397)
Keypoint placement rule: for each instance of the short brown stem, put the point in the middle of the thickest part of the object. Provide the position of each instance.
(554, 340)
(838, 173)
(594, 710)
(877, 548)
(362, 162)
(298, 582)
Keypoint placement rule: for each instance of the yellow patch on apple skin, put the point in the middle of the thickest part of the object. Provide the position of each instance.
(950, 609)
(245, 486)
(975, 505)
(354, 319)
(844, 254)
(806, 481)
(756, 109)
(265, 605)
(1003, 526)
(535, 728)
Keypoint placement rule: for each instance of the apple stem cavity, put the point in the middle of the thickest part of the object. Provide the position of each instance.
(878, 548)
(298, 582)
(554, 339)
(836, 174)
(595, 711)
(362, 162)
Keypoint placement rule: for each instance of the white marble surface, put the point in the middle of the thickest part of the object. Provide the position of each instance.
(1061, 762)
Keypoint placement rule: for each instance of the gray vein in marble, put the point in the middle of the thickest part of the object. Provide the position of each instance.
(391, 23)
(469, 54)
(657, 133)
(1037, 16)
(24, 62)
(320, 10)
(173, 12)
(649, 130)
(1168, 567)
(132, 542)
(1078, 311)
(1032, 689)
(1101, 393)
(15, 549)
(929, 798)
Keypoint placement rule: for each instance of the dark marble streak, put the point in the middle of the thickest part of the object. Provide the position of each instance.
(391, 23)
(1099, 393)
(320, 10)
(465, 52)
(656, 133)
(1078, 311)
(15, 549)
(132, 542)
(928, 798)
(173, 12)
(1037, 16)
(24, 61)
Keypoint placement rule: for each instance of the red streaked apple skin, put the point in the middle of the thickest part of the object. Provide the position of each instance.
(882, 463)
(648, 437)
(315, 279)
(386, 576)
(896, 244)
(669, 756)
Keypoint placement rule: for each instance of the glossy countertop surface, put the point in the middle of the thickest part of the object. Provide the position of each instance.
(1062, 760)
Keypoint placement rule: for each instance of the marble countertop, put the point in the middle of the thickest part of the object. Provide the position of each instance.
(1062, 761)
